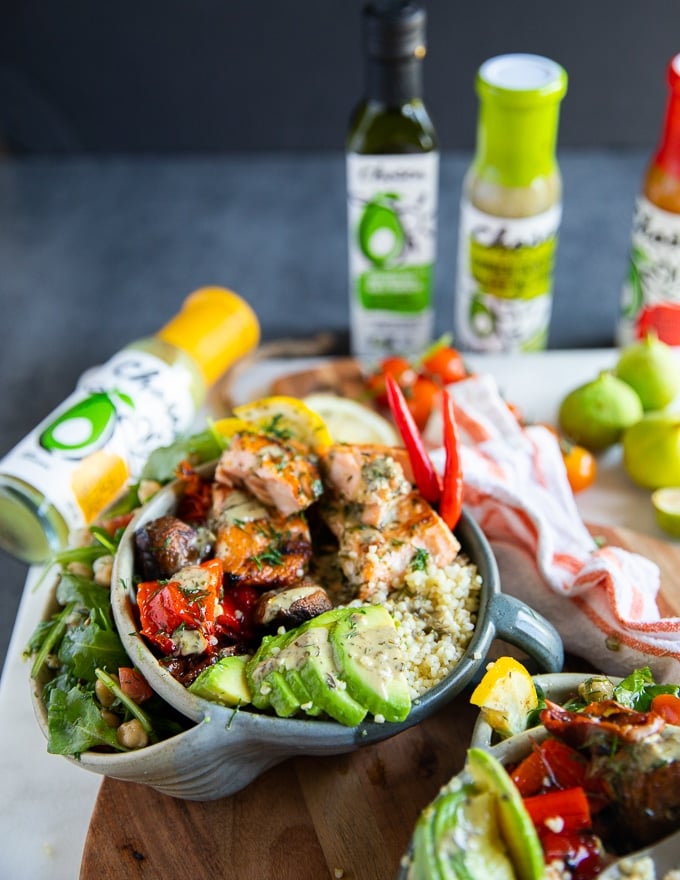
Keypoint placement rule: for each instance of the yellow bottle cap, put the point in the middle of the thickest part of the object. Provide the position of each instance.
(215, 328)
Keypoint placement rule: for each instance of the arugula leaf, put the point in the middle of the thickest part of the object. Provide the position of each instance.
(83, 592)
(75, 724)
(639, 689)
(88, 647)
(49, 634)
(196, 449)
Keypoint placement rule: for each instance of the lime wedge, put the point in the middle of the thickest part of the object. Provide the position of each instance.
(667, 509)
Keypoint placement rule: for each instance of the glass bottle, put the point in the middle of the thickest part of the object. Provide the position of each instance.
(77, 461)
(392, 188)
(650, 298)
(511, 207)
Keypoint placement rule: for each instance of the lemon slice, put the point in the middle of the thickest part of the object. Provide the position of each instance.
(351, 422)
(505, 696)
(230, 426)
(667, 510)
(286, 418)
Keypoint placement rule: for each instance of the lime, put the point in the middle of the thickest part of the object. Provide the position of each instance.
(595, 414)
(286, 418)
(667, 509)
(651, 450)
(351, 422)
(652, 369)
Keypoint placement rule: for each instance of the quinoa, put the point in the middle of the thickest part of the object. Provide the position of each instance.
(435, 611)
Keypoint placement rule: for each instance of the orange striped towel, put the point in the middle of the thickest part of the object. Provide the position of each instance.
(602, 600)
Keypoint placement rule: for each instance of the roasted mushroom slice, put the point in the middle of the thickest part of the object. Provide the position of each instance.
(292, 606)
(167, 544)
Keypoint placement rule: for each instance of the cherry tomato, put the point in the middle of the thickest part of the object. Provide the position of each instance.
(445, 364)
(133, 684)
(421, 397)
(668, 706)
(581, 466)
(397, 367)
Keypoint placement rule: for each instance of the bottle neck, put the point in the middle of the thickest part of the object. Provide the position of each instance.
(668, 152)
(394, 82)
(516, 145)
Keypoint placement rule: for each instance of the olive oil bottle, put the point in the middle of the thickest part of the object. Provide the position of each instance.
(392, 188)
(64, 473)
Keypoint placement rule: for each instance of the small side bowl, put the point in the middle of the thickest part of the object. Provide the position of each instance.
(228, 748)
(557, 687)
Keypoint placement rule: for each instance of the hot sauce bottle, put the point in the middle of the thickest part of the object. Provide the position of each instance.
(650, 299)
(79, 459)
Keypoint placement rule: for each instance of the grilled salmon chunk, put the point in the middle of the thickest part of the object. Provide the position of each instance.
(282, 475)
(255, 545)
(379, 520)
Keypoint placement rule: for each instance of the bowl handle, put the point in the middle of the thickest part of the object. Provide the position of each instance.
(517, 623)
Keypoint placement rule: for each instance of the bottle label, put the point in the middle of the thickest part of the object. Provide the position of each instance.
(82, 455)
(650, 299)
(392, 217)
(504, 287)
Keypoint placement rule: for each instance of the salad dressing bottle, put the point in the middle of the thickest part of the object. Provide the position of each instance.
(79, 459)
(650, 298)
(511, 208)
(392, 188)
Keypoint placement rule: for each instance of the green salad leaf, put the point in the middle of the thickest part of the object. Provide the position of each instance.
(75, 723)
(638, 689)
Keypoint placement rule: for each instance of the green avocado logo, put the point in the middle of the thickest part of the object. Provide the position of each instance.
(86, 426)
(380, 232)
(482, 320)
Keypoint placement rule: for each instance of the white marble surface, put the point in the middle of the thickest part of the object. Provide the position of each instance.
(47, 801)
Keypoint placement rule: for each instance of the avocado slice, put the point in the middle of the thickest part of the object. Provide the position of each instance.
(263, 662)
(367, 651)
(283, 699)
(517, 829)
(224, 682)
(320, 675)
(267, 672)
(298, 687)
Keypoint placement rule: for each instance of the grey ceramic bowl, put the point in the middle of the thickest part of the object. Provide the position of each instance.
(227, 749)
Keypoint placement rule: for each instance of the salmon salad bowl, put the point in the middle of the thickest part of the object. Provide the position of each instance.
(283, 591)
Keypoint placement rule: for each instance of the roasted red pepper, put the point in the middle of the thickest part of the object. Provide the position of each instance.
(189, 602)
(426, 477)
(451, 504)
(552, 764)
(561, 811)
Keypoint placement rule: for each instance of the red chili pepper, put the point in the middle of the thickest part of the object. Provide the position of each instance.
(426, 477)
(567, 809)
(451, 503)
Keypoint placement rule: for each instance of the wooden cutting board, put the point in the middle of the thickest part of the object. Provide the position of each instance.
(349, 816)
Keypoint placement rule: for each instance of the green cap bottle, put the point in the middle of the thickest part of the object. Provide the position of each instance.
(511, 207)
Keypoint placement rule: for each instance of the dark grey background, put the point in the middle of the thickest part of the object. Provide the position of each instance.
(215, 75)
(153, 147)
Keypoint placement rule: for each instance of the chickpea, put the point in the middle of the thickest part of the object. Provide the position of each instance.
(132, 735)
(105, 696)
(110, 718)
(102, 568)
(81, 569)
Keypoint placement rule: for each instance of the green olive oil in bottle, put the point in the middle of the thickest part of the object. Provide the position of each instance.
(511, 208)
(392, 188)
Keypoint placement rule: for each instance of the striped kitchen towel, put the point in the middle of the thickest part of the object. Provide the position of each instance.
(601, 599)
